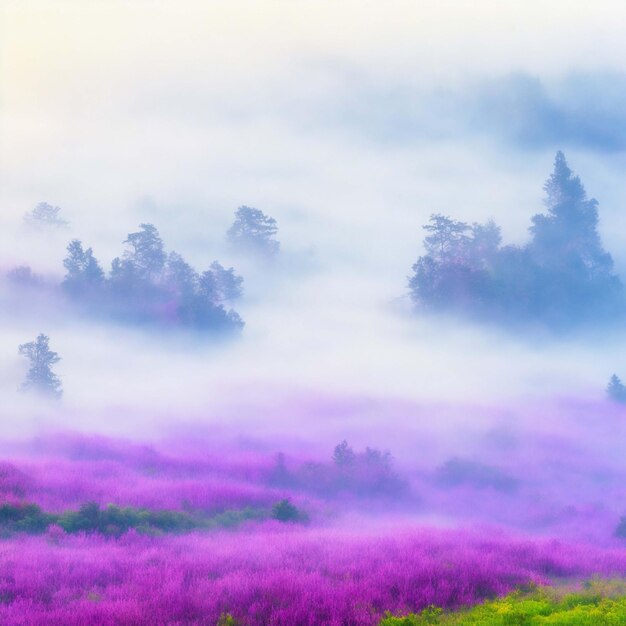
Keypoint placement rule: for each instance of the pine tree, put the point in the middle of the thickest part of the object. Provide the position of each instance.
(83, 270)
(616, 390)
(228, 285)
(45, 215)
(254, 231)
(146, 251)
(343, 455)
(567, 236)
(180, 277)
(447, 240)
(40, 378)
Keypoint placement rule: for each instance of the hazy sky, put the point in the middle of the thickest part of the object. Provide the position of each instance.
(341, 113)
(350, 123)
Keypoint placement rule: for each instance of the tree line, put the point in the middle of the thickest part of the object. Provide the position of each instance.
(146, 284)
(562, 278)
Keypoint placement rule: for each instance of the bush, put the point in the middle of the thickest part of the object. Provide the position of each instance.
(284, 511)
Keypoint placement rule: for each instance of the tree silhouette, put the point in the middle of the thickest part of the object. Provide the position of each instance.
(228, 285)
(452, 273)
(40, 378)
(254, 231)
(567, 236)
(562, 278)
(146, 251)
(616, 390)
(343, 455)
(447, 239)
(44, 215)
(179, 276)
(83, 270)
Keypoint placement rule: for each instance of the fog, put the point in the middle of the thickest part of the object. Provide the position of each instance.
(349, 126)
(410, 403)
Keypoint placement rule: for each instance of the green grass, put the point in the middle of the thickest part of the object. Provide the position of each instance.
(598, 603)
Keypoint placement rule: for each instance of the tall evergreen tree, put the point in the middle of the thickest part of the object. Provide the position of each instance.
(45, 215)
(566, 237)
(83, 270)
(40, 378)
(343, 455)
(562, 278)
(447, 239)
(574, 279)
(180, 277)
(616, 390)
(254, 231)
(146, 251)
(228, 285)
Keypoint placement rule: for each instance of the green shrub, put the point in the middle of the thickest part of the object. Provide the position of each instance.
(25, 517)
(114, 520)
(285, 511)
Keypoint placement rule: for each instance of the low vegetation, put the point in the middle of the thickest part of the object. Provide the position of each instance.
(113, 520)
(599, 602)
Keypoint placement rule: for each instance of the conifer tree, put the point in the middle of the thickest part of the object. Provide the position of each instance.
(254, 231)
(616, 390)
(40, 378)
(566, 237)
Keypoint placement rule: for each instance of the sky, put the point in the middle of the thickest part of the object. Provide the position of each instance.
(350, 123)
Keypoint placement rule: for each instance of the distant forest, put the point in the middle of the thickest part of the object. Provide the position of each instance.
(562, 278)
(148, 285)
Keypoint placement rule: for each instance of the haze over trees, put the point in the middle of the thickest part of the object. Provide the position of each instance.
(562, 278)
(45, 215)
(146, 284)
(465, 472)
(40, 378)
(616, 390)
(23, 276)
(84, 274)
(253, 231)
(369, 473)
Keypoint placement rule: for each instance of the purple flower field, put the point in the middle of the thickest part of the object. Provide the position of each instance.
(312, 313)
(272, 575)
(362, 552)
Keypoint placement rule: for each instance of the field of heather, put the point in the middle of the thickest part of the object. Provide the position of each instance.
(109, 531)
(271, 574)
(312, 313)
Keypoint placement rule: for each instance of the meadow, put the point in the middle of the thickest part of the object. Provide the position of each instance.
(269, 574)
(312, 313)
(98, 530)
